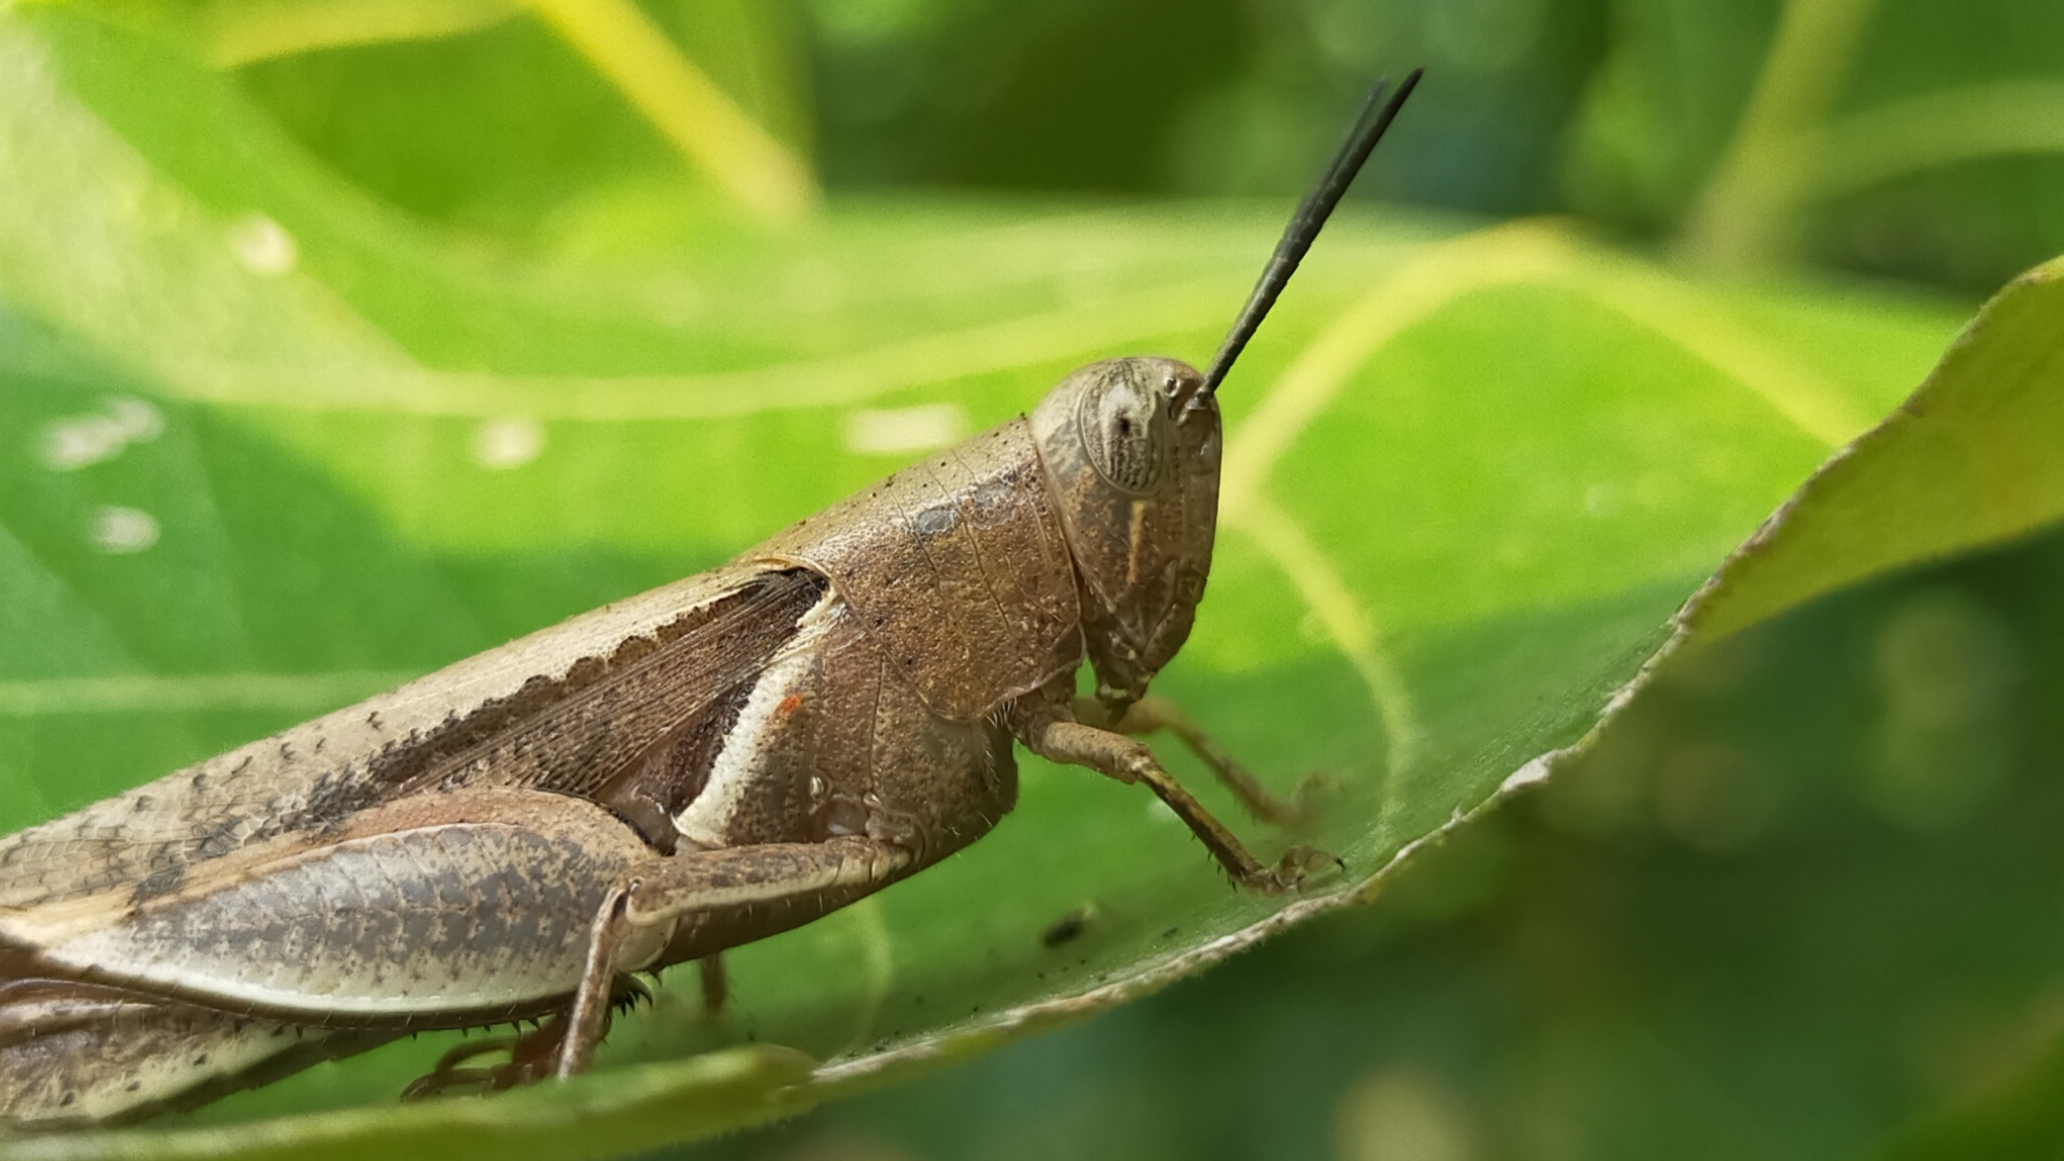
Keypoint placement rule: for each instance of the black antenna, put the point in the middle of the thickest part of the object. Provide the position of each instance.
(1309, 219)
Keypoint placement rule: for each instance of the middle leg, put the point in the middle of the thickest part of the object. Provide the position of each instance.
(1154, 713)
(1129, 760)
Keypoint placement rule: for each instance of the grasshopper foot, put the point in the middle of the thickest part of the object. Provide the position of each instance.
(1298, 864)
(531, 1057)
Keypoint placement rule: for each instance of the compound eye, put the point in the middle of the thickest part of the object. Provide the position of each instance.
(1126, 429)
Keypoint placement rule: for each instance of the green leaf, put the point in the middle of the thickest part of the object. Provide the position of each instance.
(1967, 462)
(1908, 139)
(277, 446)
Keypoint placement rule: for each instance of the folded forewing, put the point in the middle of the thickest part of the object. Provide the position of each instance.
(563, 709)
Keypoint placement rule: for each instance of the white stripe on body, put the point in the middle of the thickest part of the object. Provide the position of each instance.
(706, 821)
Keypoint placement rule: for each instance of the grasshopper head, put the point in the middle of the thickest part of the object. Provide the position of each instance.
(1131, 447)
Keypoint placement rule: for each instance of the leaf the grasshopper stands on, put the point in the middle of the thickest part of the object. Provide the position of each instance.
(277, 447)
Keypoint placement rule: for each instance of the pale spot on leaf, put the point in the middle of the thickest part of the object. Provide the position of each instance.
(263, 245)
(119, 531)
(79, 440)
(905, 429)
(76, 441)
(508, 442)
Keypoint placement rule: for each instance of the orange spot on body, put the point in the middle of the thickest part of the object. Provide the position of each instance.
(789, 704)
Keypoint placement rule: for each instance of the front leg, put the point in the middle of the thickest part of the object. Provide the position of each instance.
(654, 895)
(1129, 760)
(1153, 713)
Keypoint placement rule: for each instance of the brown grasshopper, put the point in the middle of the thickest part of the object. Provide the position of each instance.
(653, 782)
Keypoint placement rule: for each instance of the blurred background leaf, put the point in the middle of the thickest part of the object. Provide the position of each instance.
(1780, 911)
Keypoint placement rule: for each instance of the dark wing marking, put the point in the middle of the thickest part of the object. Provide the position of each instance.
(577, 733)
(660, 783)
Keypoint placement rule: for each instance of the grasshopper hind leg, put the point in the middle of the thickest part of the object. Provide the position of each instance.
(74, 1054)
(657, 897)
(665, 894)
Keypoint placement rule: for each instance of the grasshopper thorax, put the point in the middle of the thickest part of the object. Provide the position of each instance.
(1131, 450)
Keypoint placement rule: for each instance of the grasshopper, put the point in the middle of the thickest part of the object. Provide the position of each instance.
(650, 783)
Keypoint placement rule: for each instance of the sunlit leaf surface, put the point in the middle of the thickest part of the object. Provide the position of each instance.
(274, 447)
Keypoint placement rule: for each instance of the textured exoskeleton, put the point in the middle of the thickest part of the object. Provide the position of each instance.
(682, 772)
